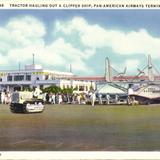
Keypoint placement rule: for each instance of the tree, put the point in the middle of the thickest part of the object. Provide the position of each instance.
(68, 90)
(52, 89)
(56, 89)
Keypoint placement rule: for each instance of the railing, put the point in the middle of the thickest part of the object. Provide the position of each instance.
(15, 82)
(46, 81)
(29, 82)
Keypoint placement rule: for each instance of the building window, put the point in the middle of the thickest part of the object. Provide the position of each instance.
(41, 86)
(28, 77)
(19, 78)
(81, 88)
(9, 78)
(26, 88)
(46, 77)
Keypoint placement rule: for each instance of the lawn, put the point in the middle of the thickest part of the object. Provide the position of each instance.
(82, 127)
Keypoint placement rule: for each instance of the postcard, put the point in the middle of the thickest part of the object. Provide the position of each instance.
(79, 79)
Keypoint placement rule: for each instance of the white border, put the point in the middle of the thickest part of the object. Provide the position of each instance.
(68, 155)
(79, 4)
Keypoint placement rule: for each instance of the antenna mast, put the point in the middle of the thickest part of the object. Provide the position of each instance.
(19, 65)
(71, 68)
(108, 70)
(33, 60)
(150, 69)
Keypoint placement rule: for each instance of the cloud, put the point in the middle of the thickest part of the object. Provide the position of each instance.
(57, 54)
(21, 32)
(27, 26)
(3, 60)
(23, 36)
(63, 53)
(94, 36)
(74, 42)
(132, 64)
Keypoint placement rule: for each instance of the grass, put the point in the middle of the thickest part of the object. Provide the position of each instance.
(82, 127)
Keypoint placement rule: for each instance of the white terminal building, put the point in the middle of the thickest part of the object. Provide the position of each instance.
(34, 75)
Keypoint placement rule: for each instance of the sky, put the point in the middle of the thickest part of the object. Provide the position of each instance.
(82, 38)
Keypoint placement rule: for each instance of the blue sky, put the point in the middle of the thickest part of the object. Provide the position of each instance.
(82, 38)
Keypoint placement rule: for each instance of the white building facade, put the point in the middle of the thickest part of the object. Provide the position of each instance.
(35, 75)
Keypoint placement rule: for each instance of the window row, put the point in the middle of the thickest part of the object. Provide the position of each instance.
(19, 78)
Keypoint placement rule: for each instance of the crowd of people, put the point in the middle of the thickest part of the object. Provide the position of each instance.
(60, 98)
(81, 98)
(6, 97)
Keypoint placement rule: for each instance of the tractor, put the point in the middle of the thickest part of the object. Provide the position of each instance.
(27, 102)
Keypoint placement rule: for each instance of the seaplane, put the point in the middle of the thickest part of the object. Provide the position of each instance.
(143, 88)
(121, 74)
(147, 92)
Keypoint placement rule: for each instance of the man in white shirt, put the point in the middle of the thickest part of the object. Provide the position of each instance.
(93, 98)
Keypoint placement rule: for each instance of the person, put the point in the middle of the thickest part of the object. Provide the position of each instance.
(8, 98)
(47, 97)
(44, 97)
(68, 98)
(84, 98)
(79, 99)
(108, 98)
(50, 98)
(116, 98)
(37, 92)
(129, 101)
(3, 97)
(100, 98)
(73, 98)
(53, 98)
(60, 99)
(93, 98)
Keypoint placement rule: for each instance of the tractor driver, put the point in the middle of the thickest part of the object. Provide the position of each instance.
(37, 92)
